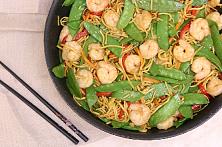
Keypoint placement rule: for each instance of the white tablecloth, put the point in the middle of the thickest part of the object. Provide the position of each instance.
(21, 35)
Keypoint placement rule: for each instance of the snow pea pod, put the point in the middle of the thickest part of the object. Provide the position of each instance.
(162, 32)
(195, 98)
(158, 90)
(166, 111)
(159, 70)
(124, 125)
(125, 85)
(206, 52)
(160, 5)
(75, 16)
(126, 41)
(59, 71)
(184, 67)
(95, 32)
(168, 80)
(201, 14)
(91, 96)
(68, 2)
(127, 95)
(186, 111)
(72, 84)
(199, 2)
(217, 41)
(127, 14)
(132, 30)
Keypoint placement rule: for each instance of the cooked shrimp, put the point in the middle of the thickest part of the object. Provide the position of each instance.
(139, 114)
(132, 64)
(214, 87)
(199, 29)
(149, 49)
(96, 52)
(202, 67)
(166, 124)
(71, 51)
(97, 5)
(215, 16)
(65, 35)
(106, 72)
(84, 78)
(214, 3)
(111, 18)
(143, 20)
(184, 51)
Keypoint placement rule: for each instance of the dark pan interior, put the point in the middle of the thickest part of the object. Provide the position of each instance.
(52, 32)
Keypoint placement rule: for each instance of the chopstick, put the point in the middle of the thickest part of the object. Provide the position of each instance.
(47, 104)
(41, 113)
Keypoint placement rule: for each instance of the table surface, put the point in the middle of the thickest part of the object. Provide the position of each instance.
(21, 35)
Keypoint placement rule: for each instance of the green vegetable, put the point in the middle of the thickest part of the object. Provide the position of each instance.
(91, 96)
(84, 104)
(68, 2)
(158, 90)
(135, 128)
(217, 41)
(159, 70)
(176, 17)
(127, 95)
(206, 52)
(127, 14)
(184, 67)
(132, 30)
(166, 111)
(160, 5)
(125, 40)
(172, 31)
(121, 85)
(93, 31)
(201, 14)
(72, 84)
(117, 124)
(177, 124)
(186, 111)
(183, 25)
(162, 32)
(193, 89)
(96, 33)
(59, 71)
(104, 119)
(75, 16)
(168, 80)
(195, 98)
(199, 2)
(115, 50)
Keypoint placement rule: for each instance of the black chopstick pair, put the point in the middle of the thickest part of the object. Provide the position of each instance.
(48, 105)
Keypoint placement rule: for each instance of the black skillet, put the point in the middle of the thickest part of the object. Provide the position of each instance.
(52, 32)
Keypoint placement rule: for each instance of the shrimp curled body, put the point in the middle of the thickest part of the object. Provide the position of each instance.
(199, 29)
(139, 114)
(106, 72)
(111, 18)
(202, 67)
(149, 49)
(143, 20)
(97, 5)
(65, 35)
(84, 78)
(71, 51)
(132, 64)
(96, 52)
(214, 87)
(166, 124)
(184, 51)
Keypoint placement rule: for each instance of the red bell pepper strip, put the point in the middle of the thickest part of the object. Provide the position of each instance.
(196, 107)
(121, 113)
(204, 91)
(64, 39)
(107, 94)
(97, 13)
(184, 30)
(81, 34)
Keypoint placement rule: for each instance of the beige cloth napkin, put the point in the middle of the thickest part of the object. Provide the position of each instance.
(21, 38)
